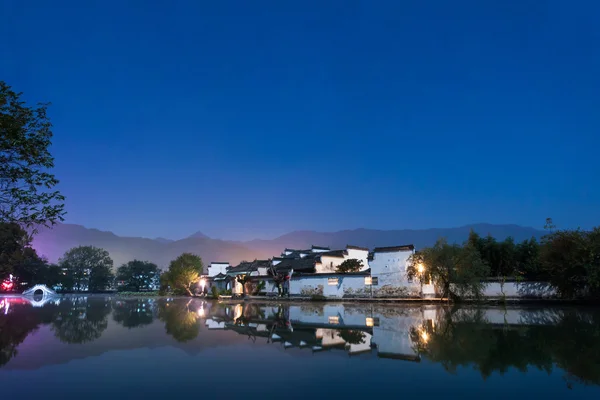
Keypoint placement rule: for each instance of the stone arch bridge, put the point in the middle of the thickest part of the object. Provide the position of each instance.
(46, 291)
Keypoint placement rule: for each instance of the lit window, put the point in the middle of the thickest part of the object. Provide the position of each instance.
(332, 281)
(369, 321)
(368, 280)
(334, 320)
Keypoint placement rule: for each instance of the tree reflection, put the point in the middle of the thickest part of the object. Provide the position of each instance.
(568, 339)
(78, 320)
(133, 313)
(17, 321)
(181, 320)
(352, 336)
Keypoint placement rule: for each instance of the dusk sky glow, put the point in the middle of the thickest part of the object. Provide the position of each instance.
(247, 119)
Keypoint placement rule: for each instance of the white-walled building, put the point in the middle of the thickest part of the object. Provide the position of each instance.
(388, 271)
(216, 268)
(327, 262)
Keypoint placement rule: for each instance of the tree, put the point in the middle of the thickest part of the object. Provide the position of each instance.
(15, 326)
(134, 313)
(26, 185)
(138, 275)
(87, 268)
(571, 260)
(183, 273)
(350, 265)
(351, 336)
(180, 320)
(528, 260)
(456, 270)
(17, 257)
(81, 320)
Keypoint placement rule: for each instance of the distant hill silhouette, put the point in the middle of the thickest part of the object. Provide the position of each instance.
(53, 243)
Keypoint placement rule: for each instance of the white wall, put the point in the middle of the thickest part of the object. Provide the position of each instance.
(319, 285)
(361, 255)
(522, 289)
(328, 264)
(217, 268)
(390, 270)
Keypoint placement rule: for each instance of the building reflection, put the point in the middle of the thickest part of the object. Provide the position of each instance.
(355, 330)
(490, 340)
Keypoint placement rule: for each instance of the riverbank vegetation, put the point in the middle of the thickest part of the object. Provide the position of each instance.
(568, 260)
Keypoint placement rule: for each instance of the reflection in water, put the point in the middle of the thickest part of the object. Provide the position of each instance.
(78, 320)
(491, 340)
(181, 319)
(17, 320)
(133, 313)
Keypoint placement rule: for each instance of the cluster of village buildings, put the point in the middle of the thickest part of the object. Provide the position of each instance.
(314, 272)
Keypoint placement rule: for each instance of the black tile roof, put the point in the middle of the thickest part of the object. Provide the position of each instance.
(334, 253)
(349, 246)
(406, 247)
(319, 248)
(298, 264)
(249, 266)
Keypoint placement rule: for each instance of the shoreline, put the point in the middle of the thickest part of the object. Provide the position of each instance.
(372, 300)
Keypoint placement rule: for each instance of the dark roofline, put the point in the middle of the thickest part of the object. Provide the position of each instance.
(349, 246)
(406, 247)
(395, 356)
(320, 247)
(332, 253)
(219, 262)
(366, 272)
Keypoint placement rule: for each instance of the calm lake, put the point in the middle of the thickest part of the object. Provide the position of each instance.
(101, 347)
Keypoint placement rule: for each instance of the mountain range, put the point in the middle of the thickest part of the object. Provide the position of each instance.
(54, 242)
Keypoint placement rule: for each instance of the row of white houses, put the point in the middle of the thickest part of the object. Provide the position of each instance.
(312, 272)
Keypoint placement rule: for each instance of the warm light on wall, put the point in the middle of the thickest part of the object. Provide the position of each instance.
(334, 320)
(368, 280)
(369, 322)
(332, 281)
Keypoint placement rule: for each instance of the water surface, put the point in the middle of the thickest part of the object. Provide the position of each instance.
(101, 347)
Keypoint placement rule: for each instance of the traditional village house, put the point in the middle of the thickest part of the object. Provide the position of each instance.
(217, 276)
(254, 268)
(216, 268)
(389, 273)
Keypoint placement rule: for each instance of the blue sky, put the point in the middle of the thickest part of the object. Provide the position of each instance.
(250, 119)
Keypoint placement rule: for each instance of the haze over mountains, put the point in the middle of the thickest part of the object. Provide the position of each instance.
(53, 243)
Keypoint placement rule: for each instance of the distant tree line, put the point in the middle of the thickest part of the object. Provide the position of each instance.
(569, 260)
(88, 269)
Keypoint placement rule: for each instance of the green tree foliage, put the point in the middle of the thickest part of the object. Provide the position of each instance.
(137, 276)
(81, 320)
(528, 260)
(181, 321)
(563, 338)
(351, 336)
(134, 313)
(14, 249)
(18, 258)
(15, 326)
(87, 267)
(571, 260)
(350, 265)
(457, 271)
(27, 194)
(507, 258)
(184, 272)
